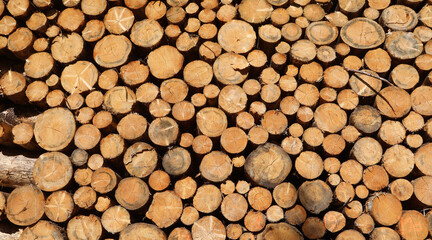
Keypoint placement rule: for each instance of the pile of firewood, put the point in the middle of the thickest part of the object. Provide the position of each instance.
(211, 120)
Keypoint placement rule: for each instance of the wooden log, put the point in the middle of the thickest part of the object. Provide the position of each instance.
(271, 154)
(227, 187)
(132, 201)
(155, 10)
(420, 100)
(296, 215)
(385, 208)
(159, 180)
(119, 100)
(315, 196)
(202, 144)
(82, 226)
(344, 192)
(350, 36)
(274, 213)
(20, 42)
(234, 207)
(185, 188)
(137, 230)
(71, 19)
(108, 79)
(398, 161)
(259, 198)
(313, 137)
(52, 171)
(209, 226)
(82, 176)
(158, 58)
(112, 58)
(365, 223)
(412, 224)
(189, 216)
(207, 198)
(353, 209)
(392, 132)
(375, 178)
(313, 228)
(231, 68)
(403, 45)
(384, 232)
(115, 219)
(23, 136)
(37, 22)
(180, 233)
(85, 197)
(118, 20)
(421, 190)
(176, 161)
(406, 22)
(366, 119)
(254, 221)
(55, 128)
(402, 189)
(330, 117)
(351, 171)
(95, 161)
(104, 180)
(67, 48)
(337, 18)
(93, 30)
(229, 36)
(7, 25)
(277, 230)
(43, 229)
(334, 221)
(285, 195)
(367, 158)
(20, 210)
(350, 234)
(309, 165)
(234, 231)
(140, 156)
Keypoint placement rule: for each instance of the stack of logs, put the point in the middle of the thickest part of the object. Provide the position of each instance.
(251, 119)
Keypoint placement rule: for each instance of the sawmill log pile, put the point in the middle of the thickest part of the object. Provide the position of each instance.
(249, 119)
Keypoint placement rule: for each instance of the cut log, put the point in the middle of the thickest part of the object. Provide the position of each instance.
(420, 100)
(371, 34)
(159, 180)
(276, 162)
(422, 190)
(367, 157)
(67, 48)
(330, 117)
(25, 205)
(141, 230)
(237, 36)
(296, 215)
(85, 197)
(43, 229)
(20, 42)
(402, 189)
(52, 171)
(313, 228)
(403, 45)
(315, 196)
(82, 226)
(280, 230)
(140, 159)
(185, 188)
(392, 132)
(118, 20)
(254, 11)
(112, 146)
(207, 198)
(231, 68)
(132, 193)
(119, 100)
(115, 219)
(208, 226)
(385, 208)
(71, 19)
(107, 57)
(104, 180)
(234, 207)
(334, 221)
(413, 225)
(93, 30)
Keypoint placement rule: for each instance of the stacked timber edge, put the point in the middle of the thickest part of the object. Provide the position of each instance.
(216, 119)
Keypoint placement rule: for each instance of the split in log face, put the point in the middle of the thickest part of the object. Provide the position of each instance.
(231, 68)
(237, 36)
(268, 165)
(79, 77)
(66, 49)
(84, 227)
(52, 171)
(362, 33)
(140, 159)
(108, 57)
(54, 129)
(119, 100)
(59, 206)
(25, 205)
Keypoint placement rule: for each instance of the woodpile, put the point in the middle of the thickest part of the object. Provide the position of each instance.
(249, 119)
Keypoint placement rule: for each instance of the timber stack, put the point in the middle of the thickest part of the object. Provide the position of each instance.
(184, 119)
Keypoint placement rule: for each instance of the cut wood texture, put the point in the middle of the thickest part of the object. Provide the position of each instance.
(249, 119)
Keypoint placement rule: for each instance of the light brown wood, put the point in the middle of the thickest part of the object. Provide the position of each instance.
(109, 59)
(365, 223)
(398, 161)
(104, 180)
(412, 224)
(385, 208)
(52, 171)
(159, 180)
(84, 226)
(296, 215)
(189, 215)
(208, 226)
(118, 20)
(254, 221)
(352, 33)
(82, 176)
(402, 189)
(234, 207)
(93, 30)
(285, 195)
(275, 158)
(71, 19)
(366, 118)
(185, 188)
(115, 219)
(207, 198)
(421, 190)
(313, 228)
(211, 121)
(43, 229)
(334, 221)
(229, 36)
(85, 197)
(138, 156)
(419, 100)
(403, 45)
(231, 68)
(68, 48)
(138, 199)
(330, 117)
(370, 157)
(22, 212)
(315, 196)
